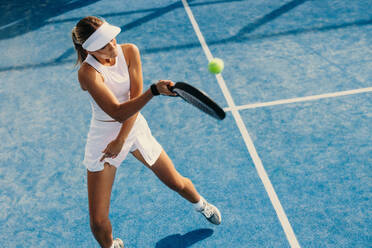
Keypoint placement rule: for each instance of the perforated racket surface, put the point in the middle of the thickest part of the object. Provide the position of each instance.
(198, 99)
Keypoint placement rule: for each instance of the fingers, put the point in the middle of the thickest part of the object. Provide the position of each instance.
(102, 158)
(165, 82)
(163, 87)
(112, 150)
(105, 155)
(108, 155)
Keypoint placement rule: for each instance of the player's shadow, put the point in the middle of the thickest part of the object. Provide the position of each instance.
(186, 240)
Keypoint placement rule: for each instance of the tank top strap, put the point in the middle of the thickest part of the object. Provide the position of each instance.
(94, 63)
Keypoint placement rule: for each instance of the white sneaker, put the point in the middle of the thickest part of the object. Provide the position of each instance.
(211, 213)
(118, 243)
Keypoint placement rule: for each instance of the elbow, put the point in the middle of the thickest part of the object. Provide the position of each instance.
(118, 119)
(118, 115)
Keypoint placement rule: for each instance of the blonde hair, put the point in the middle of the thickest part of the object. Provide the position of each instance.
(81, 32)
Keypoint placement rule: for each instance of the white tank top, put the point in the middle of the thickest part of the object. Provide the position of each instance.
(115, 77)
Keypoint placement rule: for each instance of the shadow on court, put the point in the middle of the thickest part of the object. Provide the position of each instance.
(186, 240)
(149, 10)
(19, 17)
(245, 34)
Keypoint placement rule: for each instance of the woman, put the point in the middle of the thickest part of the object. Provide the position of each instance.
(112, 75)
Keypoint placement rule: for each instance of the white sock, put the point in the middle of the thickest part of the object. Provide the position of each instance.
(199, 205)
(113, 245)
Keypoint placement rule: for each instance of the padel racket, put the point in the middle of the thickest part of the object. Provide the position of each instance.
(198, 99)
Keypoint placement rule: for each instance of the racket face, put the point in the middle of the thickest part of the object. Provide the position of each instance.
(198, 99)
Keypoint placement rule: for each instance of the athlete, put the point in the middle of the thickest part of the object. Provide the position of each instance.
(112, 75)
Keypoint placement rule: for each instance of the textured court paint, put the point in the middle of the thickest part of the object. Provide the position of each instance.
(44, 119)
(318, 156)
(287, 228)
(290, 56)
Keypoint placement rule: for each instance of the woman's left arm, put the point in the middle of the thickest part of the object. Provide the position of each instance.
(136, 86)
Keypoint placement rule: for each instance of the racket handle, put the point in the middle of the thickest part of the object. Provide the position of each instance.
(171, 88)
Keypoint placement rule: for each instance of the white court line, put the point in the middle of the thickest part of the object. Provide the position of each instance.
(12, 23)
(300, 99)
(247, 139)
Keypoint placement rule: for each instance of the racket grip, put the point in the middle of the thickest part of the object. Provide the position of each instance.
(171, 88)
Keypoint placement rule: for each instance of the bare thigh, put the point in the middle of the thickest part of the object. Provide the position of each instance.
(99, 192)
(163, 168)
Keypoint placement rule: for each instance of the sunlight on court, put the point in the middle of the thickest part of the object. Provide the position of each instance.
(289, 166)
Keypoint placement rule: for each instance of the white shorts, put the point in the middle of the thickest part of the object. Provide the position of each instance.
(102, 133)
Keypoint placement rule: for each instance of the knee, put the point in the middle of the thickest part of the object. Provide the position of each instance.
(180, 184)
(98, 223)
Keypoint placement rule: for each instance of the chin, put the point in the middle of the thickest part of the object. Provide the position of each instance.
(114, 55)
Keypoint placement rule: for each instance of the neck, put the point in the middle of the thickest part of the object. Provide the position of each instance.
(110, 61)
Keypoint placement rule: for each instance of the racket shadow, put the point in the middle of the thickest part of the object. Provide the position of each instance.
(186, 240)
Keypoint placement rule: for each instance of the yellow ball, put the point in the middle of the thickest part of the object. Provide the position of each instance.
(215, 66)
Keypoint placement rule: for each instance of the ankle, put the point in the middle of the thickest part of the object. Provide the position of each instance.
(200, 205)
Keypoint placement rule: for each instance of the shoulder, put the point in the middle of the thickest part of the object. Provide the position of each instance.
(87, 74)
(131, 52)
(129, 48)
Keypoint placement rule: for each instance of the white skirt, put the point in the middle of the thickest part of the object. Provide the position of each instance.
(102, 133)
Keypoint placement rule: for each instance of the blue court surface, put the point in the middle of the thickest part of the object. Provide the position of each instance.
(290, 166)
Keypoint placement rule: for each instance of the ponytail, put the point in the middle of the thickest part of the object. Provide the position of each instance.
(81, 52)
(81, 32)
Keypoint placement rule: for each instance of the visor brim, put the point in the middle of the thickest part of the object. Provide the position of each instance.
(102, 36)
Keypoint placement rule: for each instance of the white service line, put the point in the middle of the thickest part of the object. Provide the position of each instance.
(247, 139)
(300, 99)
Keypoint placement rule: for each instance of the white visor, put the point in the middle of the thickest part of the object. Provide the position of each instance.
(103, 35)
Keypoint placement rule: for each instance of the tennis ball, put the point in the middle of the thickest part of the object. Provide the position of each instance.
(215, 66)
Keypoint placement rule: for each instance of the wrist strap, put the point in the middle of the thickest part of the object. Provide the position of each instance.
(154, 90)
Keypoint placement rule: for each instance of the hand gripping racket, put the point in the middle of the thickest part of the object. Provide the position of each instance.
(198, 99)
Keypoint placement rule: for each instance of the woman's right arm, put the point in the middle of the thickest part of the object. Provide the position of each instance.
(106, 100)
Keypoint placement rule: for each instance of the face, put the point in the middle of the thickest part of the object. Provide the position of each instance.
(109, 51)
